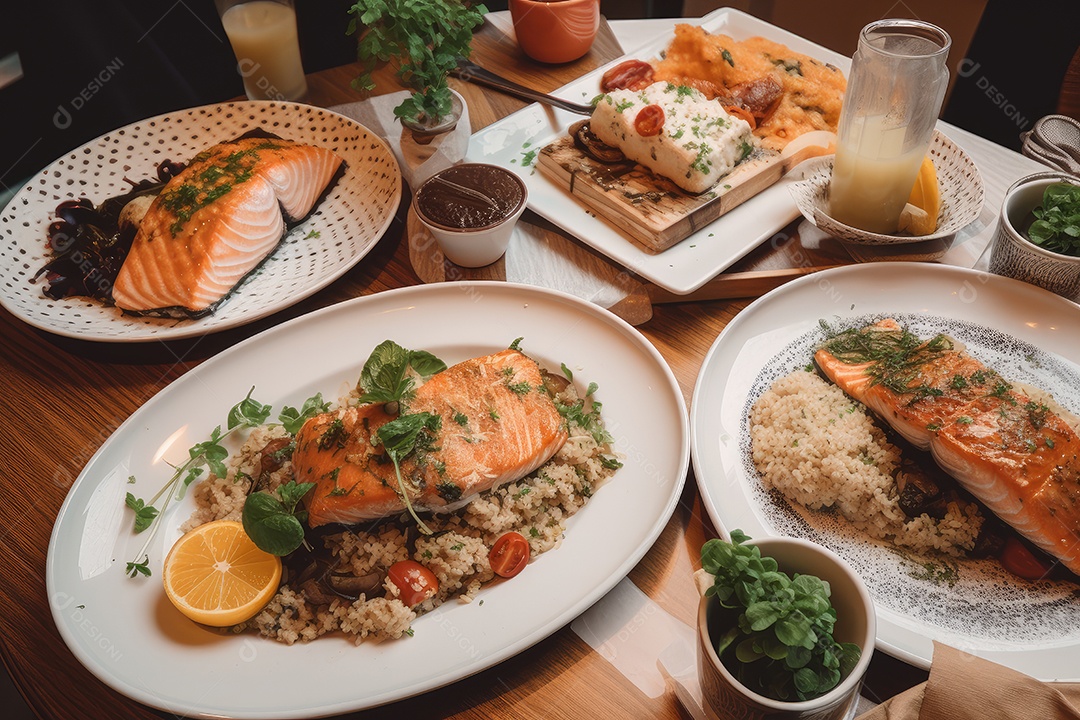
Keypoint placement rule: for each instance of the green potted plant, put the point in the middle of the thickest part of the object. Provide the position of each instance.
(1037, 238)
(424, 38)
(785, 629)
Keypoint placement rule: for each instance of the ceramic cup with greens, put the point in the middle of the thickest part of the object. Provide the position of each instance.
(724, 696)
(1015, 255)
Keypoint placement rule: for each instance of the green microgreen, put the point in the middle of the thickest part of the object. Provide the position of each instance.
(210, 453)
(778, 640)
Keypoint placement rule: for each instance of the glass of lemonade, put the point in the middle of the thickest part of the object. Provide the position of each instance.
(264, 39)
(894, 93)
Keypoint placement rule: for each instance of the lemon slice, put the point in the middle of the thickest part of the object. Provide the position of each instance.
(919, 216)
(217, 576)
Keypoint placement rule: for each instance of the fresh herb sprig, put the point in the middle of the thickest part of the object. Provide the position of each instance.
(247, 413)
(402, 436)
(385, 378)
(1057, 220)
(425, 38)
(210, 453)
(779, 643)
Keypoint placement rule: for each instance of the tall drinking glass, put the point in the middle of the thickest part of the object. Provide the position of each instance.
(894, 93)
(264, 38)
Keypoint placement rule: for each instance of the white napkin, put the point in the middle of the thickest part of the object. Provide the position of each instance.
(418, 162)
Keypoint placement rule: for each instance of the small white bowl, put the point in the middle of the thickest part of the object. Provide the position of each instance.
(448, 206)
(1013, 255)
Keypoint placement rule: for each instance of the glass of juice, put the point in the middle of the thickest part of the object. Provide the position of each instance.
(264, 39)
(894, 92)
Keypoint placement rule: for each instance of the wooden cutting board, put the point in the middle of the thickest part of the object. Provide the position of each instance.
(651, 210)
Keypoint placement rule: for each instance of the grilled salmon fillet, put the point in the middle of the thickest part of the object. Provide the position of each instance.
(1014, 454)
(217, 220)
(498, 424)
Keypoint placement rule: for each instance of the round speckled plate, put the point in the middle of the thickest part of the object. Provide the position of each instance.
(341, 230)
(1025, 332)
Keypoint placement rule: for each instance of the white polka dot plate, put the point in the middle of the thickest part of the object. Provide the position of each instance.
(341, 230)
(1027, 333)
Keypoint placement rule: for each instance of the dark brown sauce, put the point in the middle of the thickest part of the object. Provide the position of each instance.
(441, 203)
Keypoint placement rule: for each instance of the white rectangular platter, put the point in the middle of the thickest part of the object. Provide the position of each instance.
(685, 267)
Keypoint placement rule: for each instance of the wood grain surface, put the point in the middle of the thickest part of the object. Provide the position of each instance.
(62, 398)
(651, 210)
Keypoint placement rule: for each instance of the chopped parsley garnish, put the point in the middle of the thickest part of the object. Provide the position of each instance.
(521, 388)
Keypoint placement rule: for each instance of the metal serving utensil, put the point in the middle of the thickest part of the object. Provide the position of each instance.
(471, 72)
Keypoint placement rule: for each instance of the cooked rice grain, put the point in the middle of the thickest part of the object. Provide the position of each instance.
(821, 449)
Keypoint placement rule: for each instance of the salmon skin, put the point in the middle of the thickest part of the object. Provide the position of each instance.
(217, 221)
(1014, 454)
(497, 423)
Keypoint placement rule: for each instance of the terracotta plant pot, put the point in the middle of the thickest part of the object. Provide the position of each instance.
(725, 697)
(555, 32)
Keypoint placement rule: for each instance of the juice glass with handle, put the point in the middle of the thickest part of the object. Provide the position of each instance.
(264, 39)
(894, 92)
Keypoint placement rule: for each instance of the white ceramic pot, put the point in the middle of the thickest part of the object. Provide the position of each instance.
(426, 149)
(725, 697)
(1013, 255)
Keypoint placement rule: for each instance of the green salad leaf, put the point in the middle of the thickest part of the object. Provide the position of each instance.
(1057, 220)
(274, 523)
(779, 641)
(385, 377)
(402, 436)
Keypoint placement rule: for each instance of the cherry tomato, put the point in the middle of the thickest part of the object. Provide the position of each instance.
(1021, 562)
(509, 555)
(415, 581)
(629, 75)
(650, 121)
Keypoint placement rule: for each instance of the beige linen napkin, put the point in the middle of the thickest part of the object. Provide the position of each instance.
(964, 687)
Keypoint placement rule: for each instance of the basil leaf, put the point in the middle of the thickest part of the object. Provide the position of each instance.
(425, 364)
(270, 525)
(400, 436)
(383, 378)
(292, 493)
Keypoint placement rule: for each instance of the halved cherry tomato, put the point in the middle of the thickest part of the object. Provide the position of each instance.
(1021, 562)
(415, 581)
(509, 555)
(650, 121)
(629, 75)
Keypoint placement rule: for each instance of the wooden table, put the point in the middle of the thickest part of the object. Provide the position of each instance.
(62, 398)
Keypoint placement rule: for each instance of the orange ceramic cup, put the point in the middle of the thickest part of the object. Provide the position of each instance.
(557, 31)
